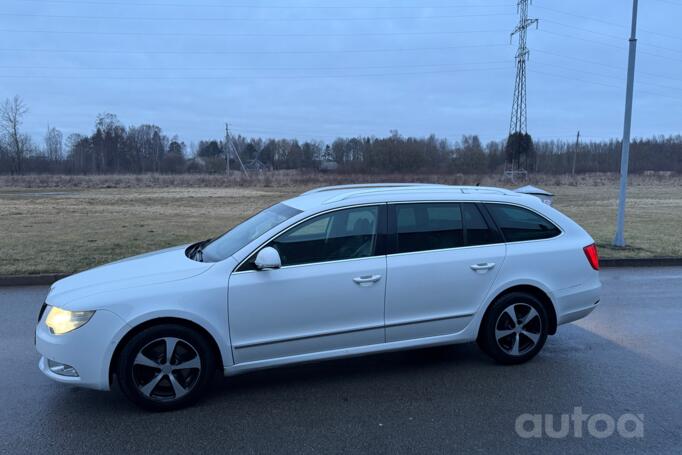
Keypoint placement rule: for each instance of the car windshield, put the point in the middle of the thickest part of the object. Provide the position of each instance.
(239, 236)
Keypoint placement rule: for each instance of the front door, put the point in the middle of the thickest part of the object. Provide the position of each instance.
(444, 259)
(328, 294)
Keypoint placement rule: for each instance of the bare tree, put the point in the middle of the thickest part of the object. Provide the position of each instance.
(53, 144)
(11, 117)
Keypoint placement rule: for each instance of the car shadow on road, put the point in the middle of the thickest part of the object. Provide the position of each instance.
(431, 393)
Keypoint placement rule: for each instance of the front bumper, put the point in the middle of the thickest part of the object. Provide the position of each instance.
(88, 349)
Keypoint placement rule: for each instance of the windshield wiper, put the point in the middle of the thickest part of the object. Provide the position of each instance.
(197, 252)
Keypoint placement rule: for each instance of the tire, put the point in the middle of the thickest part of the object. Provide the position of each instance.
(512, 340)
(150, 377)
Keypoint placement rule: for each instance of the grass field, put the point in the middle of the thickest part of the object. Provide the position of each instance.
(67, 229)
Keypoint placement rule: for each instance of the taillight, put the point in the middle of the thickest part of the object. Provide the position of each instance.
(592, 255)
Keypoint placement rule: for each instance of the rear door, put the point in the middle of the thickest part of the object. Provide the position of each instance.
(443, 258)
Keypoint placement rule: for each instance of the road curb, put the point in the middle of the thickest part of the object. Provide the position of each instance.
(31, 280)
(641, 262)
(49, 278)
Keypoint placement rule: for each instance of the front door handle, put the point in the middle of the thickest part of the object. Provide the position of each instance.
(482, 267)
(367, 279)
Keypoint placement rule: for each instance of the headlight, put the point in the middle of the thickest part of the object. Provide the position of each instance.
(62, 321)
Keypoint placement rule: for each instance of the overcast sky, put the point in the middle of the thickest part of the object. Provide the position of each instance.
(321, 69)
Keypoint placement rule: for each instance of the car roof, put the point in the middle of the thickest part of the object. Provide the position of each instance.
(341, 195)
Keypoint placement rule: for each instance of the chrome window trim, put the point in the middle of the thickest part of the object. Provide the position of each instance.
(421, 201)
(285, 230)
(310, 263)
(444, 249)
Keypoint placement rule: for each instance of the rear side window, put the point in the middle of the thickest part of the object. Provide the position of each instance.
(478, 232)
(423, 227)
(518, 224)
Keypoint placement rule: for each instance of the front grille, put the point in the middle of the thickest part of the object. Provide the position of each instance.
(42, 310)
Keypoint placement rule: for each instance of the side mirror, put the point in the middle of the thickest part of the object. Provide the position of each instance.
(268, 259)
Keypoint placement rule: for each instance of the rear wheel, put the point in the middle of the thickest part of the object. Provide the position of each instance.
(165, 367)
(514, 330)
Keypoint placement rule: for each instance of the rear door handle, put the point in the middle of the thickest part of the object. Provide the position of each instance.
(482, 267)
(367, 279)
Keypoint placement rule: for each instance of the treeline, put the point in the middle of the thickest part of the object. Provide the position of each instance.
(113, 148)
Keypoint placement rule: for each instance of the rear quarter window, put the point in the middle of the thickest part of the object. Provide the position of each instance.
(519, 224)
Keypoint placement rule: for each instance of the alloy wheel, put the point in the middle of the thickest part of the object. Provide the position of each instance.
(518, 329)
(166, 369)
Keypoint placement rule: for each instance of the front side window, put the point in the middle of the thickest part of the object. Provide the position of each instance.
(427, 226)
(339, 235)
(519, 224)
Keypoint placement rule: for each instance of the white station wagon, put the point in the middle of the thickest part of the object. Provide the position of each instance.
(335, 272)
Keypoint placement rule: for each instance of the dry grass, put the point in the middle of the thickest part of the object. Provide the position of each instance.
(81, 229)
(69, 228)
(653, 217)
(298, 179)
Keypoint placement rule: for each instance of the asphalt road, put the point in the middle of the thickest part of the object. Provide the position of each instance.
(624, 358)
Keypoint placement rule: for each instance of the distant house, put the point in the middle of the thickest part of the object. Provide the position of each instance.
(196, 164)
(328, 166)
(255, 165)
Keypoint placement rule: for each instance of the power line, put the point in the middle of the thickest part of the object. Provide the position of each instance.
(668, 2)
(581, 16)
(609, 76)
(276, 52)
(225, 77)
(603, 84)
(235, 35)
(664, 57)
(612, 24)
(601, 43)
(602, 34)
(246, 19)
(582, 29)
(251, 6)
(246, 68)
(593, 62)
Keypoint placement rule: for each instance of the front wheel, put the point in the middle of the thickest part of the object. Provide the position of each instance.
(165, 367)
(514, 329)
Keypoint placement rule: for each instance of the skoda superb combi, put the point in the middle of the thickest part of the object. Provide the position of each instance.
(334, 272)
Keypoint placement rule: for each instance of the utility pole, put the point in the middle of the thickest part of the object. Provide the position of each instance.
(230, 150)
(575, 153)
(619, 238)
(226, 148)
